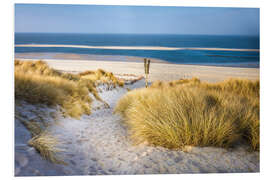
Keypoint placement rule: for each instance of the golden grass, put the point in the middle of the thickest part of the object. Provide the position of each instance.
(193, 113)
(53, 90)
(36, 82)
(46, 144)
(33, 127)
(101, 76)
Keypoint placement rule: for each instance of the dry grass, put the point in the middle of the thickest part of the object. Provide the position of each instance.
(46, 144)
(33, 127)
(162, 84)
(53, 90)
(101, 76)
(192, 113)
(36, 82)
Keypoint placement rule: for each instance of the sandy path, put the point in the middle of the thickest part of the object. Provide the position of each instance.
(98, 144)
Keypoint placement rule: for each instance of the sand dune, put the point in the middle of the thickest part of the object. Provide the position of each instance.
(98, 144)
(135, 47)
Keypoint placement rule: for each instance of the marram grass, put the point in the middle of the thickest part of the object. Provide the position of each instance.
(53, 90)
(192, 113)
(42, 141)
(37, 83)
(101, 76)
(46, 144)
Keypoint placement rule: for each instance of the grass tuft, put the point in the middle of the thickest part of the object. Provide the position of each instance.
(101, 76)
(193, 113)
(37, 83)
(53, 90)
(33, 127)
(45, 144)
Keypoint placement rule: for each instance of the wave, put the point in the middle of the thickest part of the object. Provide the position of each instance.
(135, 47)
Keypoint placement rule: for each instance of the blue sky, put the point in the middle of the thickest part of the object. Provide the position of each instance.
(136, 19)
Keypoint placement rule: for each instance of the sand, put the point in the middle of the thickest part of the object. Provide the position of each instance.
(91, 57)
(158, 71)
(99, 143)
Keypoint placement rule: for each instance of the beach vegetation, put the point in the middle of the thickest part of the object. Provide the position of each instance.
(46, 145)
(102, 77)
(189, 112)
(37, 83)
(41, 140)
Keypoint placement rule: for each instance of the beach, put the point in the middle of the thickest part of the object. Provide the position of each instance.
(159, 70)
(99, 143)
(136, 90)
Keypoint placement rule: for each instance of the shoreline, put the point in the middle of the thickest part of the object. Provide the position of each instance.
(158, 71)
(85, 57)
(117, 58)
(160, 48)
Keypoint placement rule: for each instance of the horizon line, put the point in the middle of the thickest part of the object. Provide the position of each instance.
(134, 33)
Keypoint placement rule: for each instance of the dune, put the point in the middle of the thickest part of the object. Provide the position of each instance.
(98, 143)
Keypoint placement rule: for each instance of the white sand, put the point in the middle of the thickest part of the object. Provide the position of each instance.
(158, 71)
(92, 57)
(99, 144)
(134, 47)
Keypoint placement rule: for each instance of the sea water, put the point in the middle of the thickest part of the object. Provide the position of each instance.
(199, 57)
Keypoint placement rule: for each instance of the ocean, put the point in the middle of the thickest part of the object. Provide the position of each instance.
(217, 57)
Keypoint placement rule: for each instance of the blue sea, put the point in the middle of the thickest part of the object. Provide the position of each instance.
(249, 59)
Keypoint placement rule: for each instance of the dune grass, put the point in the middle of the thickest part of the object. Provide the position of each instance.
(36, 82)
(193, 113)
(101, 76)
(33, 127)
(46, 144)
(41, 140)
(53, 90)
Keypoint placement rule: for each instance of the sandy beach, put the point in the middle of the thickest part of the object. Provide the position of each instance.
(87, 57)
(158, 71)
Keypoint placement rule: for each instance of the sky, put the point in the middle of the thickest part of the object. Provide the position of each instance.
(136, 19)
